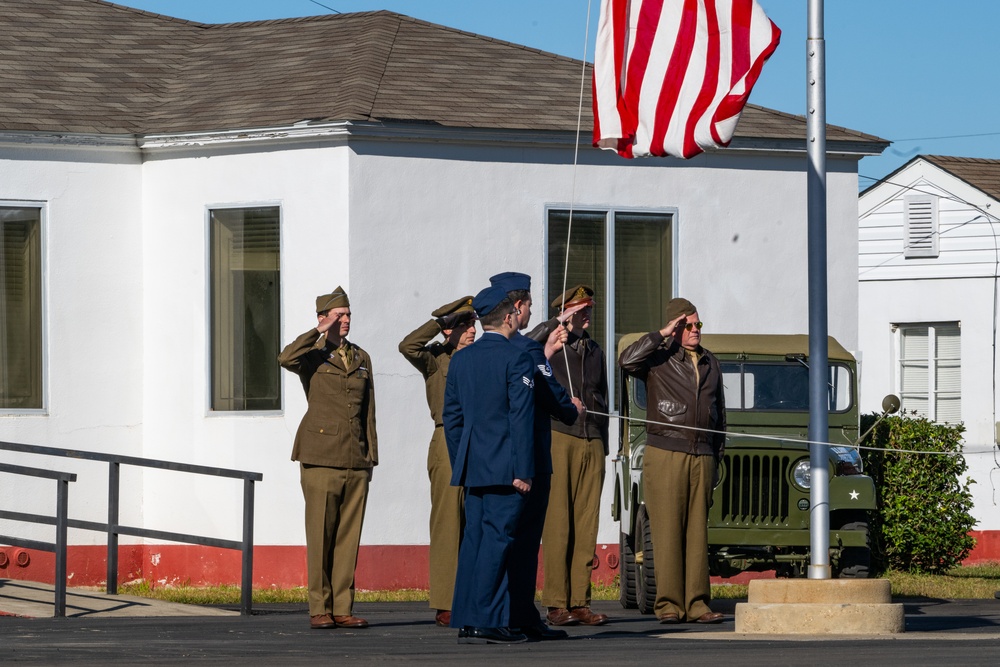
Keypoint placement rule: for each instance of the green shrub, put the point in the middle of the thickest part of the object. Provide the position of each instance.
(923, 521)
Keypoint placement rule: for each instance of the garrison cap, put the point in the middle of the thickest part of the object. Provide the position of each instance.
(488, 299)
(511, 281)
(677, 307)
(458, 306)
(335, 299)
(575, 296)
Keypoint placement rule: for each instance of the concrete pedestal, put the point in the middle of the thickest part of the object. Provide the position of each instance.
(820, 607)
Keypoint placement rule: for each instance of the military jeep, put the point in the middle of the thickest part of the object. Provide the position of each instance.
(759, 517)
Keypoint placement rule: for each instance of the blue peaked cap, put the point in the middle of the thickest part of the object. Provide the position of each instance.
(488, 299)
(511, 281)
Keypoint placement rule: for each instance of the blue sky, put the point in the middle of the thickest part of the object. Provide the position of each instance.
(921, 73)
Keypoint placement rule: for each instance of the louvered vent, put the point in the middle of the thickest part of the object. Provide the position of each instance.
(921, 226)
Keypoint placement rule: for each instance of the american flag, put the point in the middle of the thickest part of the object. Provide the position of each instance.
(672, 76)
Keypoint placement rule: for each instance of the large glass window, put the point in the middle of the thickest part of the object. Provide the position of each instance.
(245, 274)
(636, 248)
(20, 308)
(930, 370)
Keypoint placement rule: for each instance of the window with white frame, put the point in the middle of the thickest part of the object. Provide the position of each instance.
(626, 256)
(920, 214)
(20, 308)
(930, 370)
(245, 308)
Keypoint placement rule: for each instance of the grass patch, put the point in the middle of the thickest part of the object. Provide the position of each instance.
(972, 582)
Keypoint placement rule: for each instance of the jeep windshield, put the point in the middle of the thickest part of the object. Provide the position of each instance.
(764, 386)
(781, 386)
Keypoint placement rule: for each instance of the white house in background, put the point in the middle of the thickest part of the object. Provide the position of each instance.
(929, 251)
(174, 195)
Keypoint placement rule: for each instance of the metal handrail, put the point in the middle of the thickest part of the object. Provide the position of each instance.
(59, 520)
(114, 529)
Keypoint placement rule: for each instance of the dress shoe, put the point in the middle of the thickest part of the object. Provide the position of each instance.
(321, 622)
(710, 617)
(670, 619)
(470, 635)
(350, 622)
(561, 616)
(587, 617)
(540, 632)
(442, 619)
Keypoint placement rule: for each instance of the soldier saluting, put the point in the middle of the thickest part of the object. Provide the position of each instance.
(456, 321)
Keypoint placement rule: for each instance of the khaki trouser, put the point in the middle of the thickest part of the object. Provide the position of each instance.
(677, 490)
(447, 519)
(570, 534)
(335, 510)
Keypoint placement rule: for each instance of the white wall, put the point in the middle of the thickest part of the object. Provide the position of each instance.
(428, 228)
(310, 186)
(404, 227)
(92, 305)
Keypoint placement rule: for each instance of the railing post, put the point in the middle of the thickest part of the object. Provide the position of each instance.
(114, 475)
(246, 586)
(62, 509)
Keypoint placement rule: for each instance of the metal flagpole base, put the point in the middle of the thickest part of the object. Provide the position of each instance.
(820, 572)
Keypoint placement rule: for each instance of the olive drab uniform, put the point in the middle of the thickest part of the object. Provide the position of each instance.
(579, 455)
(447, 511)
(336, 447)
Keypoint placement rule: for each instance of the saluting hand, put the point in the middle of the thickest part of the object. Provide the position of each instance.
(672, 326)
(327, 322)
(565, 315)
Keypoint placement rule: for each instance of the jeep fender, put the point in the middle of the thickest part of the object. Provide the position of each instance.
(852, 492)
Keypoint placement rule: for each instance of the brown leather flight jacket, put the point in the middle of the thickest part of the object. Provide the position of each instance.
(673, 397)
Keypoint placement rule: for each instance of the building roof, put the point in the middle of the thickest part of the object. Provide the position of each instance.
(980, 173)
(89, 66)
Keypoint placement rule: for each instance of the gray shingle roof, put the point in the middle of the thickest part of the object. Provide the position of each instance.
(94, 67)
(980, 173)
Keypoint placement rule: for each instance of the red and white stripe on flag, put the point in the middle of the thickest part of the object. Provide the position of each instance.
(672, 76)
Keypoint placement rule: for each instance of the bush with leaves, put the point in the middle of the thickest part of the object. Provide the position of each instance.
(922, 523)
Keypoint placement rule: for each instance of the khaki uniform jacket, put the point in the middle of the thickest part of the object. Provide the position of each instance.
(338, 429)
(432, 361)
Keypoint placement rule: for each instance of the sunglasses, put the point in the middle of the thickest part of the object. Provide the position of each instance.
(694, 325)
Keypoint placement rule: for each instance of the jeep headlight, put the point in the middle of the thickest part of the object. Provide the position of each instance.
(802, 474)
(848, 460)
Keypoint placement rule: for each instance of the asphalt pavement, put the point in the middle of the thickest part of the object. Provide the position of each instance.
(99, 629)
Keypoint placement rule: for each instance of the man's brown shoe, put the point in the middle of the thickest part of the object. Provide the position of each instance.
(321, 622)
(442, 619)
(561, 616)
(587, 617)
(670, 619)
(350, 622)
(710, 617)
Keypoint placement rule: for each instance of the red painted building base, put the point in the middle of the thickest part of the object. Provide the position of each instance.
(379, 567)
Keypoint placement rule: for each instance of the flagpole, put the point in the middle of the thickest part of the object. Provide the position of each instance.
(819, 402)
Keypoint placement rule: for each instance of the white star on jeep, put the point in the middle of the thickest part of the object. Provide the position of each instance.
(854, 495)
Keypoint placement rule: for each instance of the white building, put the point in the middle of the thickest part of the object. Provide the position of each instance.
(174, 195)
(929, 253)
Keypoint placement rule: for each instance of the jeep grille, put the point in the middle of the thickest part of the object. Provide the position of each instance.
(755, 489)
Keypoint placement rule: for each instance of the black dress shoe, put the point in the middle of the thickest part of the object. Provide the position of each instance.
(470, 635)
(541, 632)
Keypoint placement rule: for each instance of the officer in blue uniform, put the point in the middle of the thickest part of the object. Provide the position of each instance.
(488, 421)
(551, 400)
